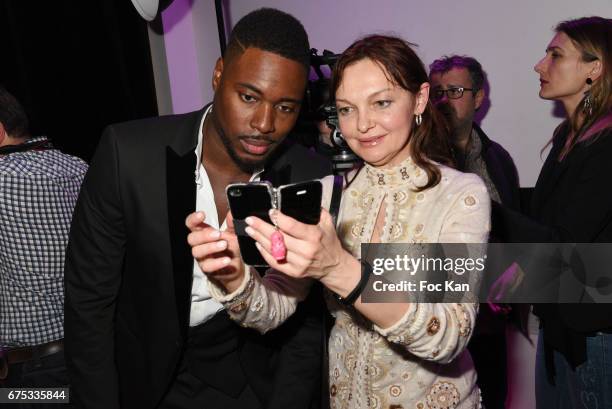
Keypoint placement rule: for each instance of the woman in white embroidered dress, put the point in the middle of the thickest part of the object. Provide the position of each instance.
(382, 355)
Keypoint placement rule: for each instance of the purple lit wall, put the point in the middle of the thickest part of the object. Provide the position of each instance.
(181, 56)
(508, 38)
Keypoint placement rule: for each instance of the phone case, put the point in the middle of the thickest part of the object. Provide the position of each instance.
(301, 201)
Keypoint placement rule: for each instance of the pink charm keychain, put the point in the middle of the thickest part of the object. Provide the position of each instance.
(279, 251)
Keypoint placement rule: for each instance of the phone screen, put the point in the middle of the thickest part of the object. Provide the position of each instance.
(252, 199)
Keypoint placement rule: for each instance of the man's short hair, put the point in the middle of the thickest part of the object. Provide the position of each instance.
(12, 115)
(273, 31)
(447, 63)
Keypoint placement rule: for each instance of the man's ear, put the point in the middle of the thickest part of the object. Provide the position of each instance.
(478, 98)
(217, 73)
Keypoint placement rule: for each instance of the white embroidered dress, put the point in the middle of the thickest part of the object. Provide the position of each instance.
(421, 361)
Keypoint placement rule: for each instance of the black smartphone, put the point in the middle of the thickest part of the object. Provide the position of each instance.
(302, 201)
(249, 199)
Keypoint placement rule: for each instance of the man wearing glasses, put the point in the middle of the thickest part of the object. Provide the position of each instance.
(457, 91)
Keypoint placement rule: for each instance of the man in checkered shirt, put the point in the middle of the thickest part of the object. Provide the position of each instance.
(38, 190)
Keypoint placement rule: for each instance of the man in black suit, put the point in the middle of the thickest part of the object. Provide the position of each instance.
(141, 328)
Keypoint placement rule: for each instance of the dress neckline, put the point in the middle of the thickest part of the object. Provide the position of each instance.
(406, 172)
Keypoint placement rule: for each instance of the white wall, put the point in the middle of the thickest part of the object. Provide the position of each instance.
(507, 37)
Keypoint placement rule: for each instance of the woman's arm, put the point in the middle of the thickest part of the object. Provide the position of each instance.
(441, 331)
(262, 303)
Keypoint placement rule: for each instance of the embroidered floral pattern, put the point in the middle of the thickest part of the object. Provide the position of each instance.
(465, 327)
(333, 390)
(257, 305)
(469, 201)
(395, 391)
(433, 326)
(443, 395)
(399, 197)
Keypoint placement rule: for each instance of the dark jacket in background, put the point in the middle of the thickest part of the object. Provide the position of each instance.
(574, 199)
(502, 170)
(571, 203)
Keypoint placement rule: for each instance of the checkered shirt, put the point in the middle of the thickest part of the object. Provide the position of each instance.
(38, 191)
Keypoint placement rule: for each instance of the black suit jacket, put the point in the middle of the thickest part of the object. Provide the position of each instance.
(574, 199)
(129, 274)
(571, 203)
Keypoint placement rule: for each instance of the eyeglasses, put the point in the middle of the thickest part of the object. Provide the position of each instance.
(452, 93)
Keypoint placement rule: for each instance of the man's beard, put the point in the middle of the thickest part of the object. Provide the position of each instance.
(247, 166)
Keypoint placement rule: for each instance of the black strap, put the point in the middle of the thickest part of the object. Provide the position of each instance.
(327, 324)
(334, 206)
(366, 272)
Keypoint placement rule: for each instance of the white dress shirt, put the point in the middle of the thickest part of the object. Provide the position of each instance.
(203, 306)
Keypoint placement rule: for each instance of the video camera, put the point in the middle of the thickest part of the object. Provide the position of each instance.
(320, 107)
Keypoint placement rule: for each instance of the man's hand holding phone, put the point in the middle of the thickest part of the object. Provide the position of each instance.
(216, 252)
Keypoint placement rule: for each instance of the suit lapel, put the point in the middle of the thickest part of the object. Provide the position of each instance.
(181, 197)
(181, 202)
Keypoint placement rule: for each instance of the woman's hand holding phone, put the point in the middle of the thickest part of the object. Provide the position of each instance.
(312, 250)
(216, 252)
